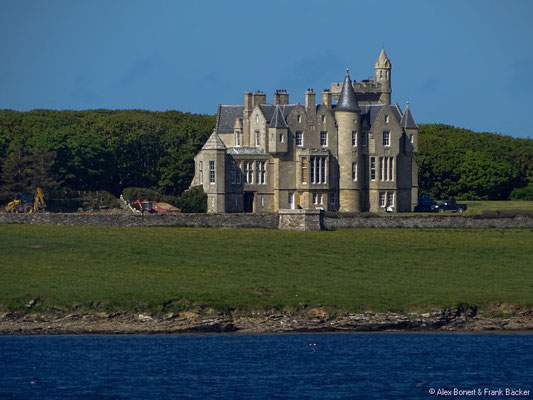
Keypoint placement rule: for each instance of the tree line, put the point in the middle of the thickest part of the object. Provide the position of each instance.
(97, 154)
(466, 165)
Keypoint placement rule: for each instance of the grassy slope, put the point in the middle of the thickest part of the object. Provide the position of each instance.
(382, 269)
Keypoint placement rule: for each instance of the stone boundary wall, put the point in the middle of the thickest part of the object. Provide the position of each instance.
(269, 221)
(427, 222)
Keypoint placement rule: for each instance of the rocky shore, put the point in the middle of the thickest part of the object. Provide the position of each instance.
(314, 320)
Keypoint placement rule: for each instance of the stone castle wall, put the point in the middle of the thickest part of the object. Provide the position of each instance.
(269, 220)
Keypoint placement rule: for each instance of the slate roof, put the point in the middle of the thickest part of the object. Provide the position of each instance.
(245, 150)
(226, 118)
(214, 143)
(347, 99)
(278, 121)
(408, 122)
(370, 112)
(269, 109)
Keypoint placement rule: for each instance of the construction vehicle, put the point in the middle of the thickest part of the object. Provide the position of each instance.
(155, 207)
(27, 203)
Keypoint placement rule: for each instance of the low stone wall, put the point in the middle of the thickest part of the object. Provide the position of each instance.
(301, 220)
(306, 221)
(269, 221)
(427, 222)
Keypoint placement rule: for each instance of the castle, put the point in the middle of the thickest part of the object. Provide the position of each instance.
(352, 156)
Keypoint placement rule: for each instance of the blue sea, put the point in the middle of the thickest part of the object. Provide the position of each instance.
(285, 366)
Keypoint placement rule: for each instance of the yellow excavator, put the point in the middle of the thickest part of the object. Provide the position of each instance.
(27, 203)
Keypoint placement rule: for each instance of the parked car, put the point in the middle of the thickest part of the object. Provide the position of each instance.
(450, 205)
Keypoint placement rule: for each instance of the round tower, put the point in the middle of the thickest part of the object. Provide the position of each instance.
(383, 76)
(348, 117)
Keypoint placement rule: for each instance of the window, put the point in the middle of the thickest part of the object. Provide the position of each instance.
(412, 138)
(317, 198)
(354, 171)
(318, 170)
(260, 171)
(256, 138)
(262, 201)
(364, 138)
(386, 138)
(299, 139)
(386, 119)
(390, 199)
(373, 168)
(211, 172)
(304, 170)
(291, 201)
(235, 174)
(323, 138)
(281, 138)
(354, 138)
(299, 118)
(391, 168)
(380, 74)
(249, 172)
(381, 173)
(201, 171)
(382, 199)
(256, 119)
(237, 138)
(323, 119)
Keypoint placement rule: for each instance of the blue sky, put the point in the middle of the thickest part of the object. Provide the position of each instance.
(465, 63)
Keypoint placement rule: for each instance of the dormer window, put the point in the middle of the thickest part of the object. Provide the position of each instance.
(386, 139)
(386, 119)
(299, 118)
(256, 119)
(237, 138)
(323, 119)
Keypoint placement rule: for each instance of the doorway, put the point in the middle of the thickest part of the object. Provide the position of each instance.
(248, 202)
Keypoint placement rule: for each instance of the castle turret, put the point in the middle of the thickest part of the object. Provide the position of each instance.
(213, 169)
(347, 115)
(278, 133)
(383, 76)
(411, 130)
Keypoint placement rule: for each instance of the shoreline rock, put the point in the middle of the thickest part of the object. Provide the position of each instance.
(190, 323)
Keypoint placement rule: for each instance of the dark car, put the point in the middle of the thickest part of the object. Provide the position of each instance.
(450, 205)
(425, 204)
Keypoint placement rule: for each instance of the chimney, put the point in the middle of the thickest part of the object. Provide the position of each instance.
(310, 105)
(326, 98)
(247, 102)
(258, 98)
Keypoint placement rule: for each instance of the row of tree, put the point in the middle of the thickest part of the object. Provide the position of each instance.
(99, 150)
(107, 151)
(459, 163)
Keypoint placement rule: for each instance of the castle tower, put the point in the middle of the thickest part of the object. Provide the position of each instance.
(348, 116)
(383, 76)
(213, 159)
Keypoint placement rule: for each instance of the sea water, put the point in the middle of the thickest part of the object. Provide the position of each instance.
(283, 366)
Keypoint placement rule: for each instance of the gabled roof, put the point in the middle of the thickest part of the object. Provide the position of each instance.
(370, 112)
(278, 121)
(347, 99)
(408, 122)
(214, 143)
(269, 109)
(227, 116)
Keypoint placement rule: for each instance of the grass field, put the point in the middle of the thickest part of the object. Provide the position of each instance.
(139, 269)
(478, 207)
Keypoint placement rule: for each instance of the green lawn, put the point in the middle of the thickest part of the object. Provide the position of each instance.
(135, 269)
(478, 207)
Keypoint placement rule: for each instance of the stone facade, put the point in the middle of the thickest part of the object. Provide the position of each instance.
(351, 153)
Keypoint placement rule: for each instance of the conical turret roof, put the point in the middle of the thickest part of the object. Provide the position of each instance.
(278, 121)
(383, 60)
(214, 142)
(347, 99)
(408, 122)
